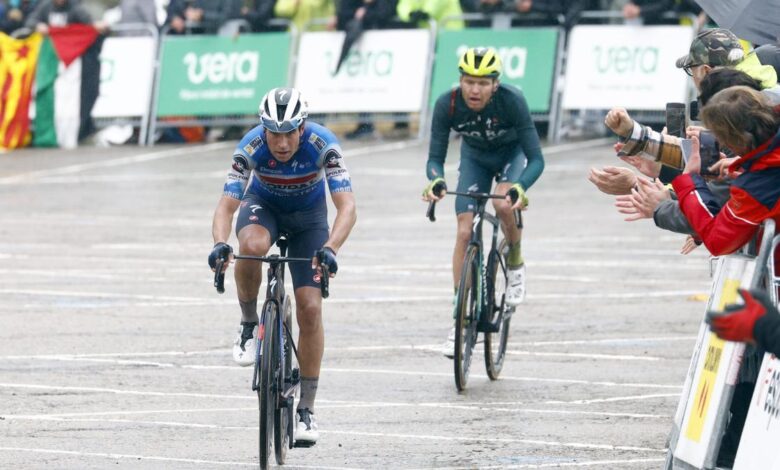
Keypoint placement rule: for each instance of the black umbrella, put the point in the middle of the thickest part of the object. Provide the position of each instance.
(757, 21)
(353, 31)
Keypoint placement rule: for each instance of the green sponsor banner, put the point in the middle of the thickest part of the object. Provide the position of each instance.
(215, 75)
(527, 54)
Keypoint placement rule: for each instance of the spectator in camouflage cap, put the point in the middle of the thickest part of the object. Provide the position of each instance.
(711, 48)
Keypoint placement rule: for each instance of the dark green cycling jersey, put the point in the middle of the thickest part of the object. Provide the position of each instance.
(503, 123)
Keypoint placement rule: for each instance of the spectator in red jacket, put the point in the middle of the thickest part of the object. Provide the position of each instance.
(742, 120)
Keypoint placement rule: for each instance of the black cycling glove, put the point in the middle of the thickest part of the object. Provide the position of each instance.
(221, 251)
(327, 256)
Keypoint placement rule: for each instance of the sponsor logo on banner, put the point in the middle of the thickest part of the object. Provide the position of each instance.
(613, 65)
(385, 71)
(214, 75)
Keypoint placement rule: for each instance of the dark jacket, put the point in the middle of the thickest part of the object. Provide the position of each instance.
(379, 13)
(755, 197)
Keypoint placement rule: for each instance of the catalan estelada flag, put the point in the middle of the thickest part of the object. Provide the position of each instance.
(18, 59)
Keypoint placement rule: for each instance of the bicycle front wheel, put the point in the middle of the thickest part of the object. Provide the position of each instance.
(466, 317)
(283, 414)
(499, 313)
(266, 394)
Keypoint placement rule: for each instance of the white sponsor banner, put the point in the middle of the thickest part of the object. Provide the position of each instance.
(385, 71)
(758, 446)
(126, 75)
(717, 365)
(628, 66)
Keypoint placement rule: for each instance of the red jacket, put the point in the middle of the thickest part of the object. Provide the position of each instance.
(755, 197)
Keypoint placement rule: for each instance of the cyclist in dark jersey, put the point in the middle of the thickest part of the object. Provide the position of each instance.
(499, 142)
(277, 184)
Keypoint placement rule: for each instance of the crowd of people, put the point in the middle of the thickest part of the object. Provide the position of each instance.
(720, 204)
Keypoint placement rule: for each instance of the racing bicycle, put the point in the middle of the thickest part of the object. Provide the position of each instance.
(479, 304)
(276, 380)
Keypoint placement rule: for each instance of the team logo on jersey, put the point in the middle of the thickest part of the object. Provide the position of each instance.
(253, 145)
(332, 159)
(239, 163)
(317, 142)
(271, 163)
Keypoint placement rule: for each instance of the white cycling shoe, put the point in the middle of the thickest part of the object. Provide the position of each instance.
(515, 285)
(306, 432)
(245, 345)
(448, 349)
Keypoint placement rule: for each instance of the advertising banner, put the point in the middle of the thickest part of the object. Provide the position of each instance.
(216, 75)
(385, 71)
(717, 364)
(126, 76)
(528, 56)
(628, 66)
(758, 445)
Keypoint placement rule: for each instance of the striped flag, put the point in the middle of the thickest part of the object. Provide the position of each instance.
(67, 85)
(17, 70)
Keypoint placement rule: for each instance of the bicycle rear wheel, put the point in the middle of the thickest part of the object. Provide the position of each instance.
(499, 313)
(283, 415)
(265, 393)
(466, 317)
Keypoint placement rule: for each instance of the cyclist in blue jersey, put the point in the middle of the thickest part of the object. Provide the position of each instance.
(499, 142)
(277, 184)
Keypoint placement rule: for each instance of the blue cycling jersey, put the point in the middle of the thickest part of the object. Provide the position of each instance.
(296, 184)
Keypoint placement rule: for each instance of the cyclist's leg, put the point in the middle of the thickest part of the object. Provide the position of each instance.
(308, 231)
(474, 176)
(512, 169)
(510, 173)
(256, 229)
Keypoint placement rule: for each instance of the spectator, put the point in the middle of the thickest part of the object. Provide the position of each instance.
(59, 13)
(258, 14)
(197, 16)
(419, 12)
(15, 14)
(354, 16)
(301, 12)
(138, 11)
(742, 120)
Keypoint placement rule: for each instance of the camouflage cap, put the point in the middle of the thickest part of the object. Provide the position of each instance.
(714, 47)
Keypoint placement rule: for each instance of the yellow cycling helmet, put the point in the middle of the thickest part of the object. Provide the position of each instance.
(480, 62)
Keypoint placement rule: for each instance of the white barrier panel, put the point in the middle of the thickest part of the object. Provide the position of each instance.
(386, 71)
(126, 75)
(628, 66)
(758, 446)
(717, 365)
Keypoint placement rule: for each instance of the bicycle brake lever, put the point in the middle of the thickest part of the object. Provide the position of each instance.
(219, 277)
(431, 213)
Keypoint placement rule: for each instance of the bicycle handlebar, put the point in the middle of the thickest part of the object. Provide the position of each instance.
(219, 275)
(431, 213)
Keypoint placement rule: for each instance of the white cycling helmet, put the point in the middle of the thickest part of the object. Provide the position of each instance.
(283, 110)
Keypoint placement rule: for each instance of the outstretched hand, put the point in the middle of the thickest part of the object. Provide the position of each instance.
(736, 322)
(613, 180)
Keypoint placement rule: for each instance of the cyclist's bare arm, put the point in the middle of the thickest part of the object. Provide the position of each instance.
(346, 215)
(223, 218)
